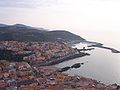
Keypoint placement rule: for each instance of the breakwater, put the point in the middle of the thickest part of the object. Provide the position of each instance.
(64, 58)
(108, 48)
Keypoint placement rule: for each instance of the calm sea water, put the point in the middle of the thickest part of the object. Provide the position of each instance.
(102, 64)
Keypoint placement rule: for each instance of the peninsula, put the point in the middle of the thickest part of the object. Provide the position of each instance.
(26, 56)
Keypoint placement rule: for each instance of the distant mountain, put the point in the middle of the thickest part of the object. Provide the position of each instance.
(3, 25)
(22, 32)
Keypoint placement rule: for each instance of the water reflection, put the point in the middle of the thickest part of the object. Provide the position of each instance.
(102, 65)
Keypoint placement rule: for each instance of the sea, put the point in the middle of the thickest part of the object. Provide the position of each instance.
(102, 65)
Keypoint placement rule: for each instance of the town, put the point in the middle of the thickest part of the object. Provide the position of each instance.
(32, 71)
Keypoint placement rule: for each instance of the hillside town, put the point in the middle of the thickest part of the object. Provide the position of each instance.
(29, 74)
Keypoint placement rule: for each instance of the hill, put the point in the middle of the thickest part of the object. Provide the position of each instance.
(22, 32)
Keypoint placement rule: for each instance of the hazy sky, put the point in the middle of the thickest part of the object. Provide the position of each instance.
(75, 15)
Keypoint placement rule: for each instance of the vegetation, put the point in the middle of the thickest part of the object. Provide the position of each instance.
(26, 33)
(11, 56)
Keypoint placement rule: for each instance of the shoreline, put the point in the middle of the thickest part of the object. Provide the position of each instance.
(100, 45)
(108, 48)
(30, 74)
(62, 59)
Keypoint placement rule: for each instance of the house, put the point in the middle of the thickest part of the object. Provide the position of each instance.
(26, 88)
(41, 80)
(3, 84)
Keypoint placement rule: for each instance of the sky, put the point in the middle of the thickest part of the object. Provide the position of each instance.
(74, 15)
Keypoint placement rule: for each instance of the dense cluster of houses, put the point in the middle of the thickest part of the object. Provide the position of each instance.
(27, 75)
(41, 50)
(21, 76)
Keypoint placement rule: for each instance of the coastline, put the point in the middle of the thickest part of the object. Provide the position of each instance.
(100, 45)
(32, 74)
(62, 59)
(108, 48)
